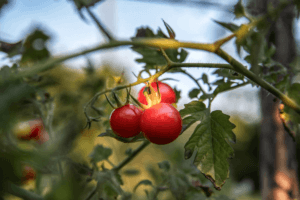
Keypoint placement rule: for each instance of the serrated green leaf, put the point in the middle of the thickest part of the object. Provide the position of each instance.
(100, 153)
(165, 165)
(209, 139)
(222, 86)
(196, 110)
(228, 73)
(194, 93)
(143, 182)
(229, 26)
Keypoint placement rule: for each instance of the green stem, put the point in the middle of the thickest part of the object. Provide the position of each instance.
(131, 156)
(209, 65)
(162, 43)
(199, 86)
(20, 192)
(238, 67)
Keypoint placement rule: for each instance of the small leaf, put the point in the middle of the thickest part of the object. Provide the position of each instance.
(128, 151)
(110, 133)
(100, 153)
(165, 165)
(194, 93)
(85, 3)
(239, 10)
(229, 26)
(177, 93)
(143, 182)
(131, 172)
(170, 30)
(205, 78)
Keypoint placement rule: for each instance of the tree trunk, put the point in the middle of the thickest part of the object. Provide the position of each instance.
(278, 164)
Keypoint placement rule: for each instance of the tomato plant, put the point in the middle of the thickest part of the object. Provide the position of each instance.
(161, 123)
(167, 93)
(125, 121)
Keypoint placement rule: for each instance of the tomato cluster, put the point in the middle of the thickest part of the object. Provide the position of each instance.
(160, 123)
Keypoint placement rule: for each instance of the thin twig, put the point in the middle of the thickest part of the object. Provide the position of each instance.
(100, 25)
(131, 156)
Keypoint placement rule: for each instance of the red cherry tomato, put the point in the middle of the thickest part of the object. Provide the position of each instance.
(167, 93)
(28, 173)
(125, 121)
(161, 123)
(37, 132)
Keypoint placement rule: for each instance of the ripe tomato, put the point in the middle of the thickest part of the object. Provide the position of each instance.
(161, 123)
(125, 121)
(36, 131)
(167, 93)
(28, 173)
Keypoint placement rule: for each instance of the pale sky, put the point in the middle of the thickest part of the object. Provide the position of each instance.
(70, 34)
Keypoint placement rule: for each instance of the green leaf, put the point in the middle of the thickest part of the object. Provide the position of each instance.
(209, 140)
(108, 186)
(35, 48)
(152, 57)
(196, 110)
(85, 3)
(205, 96)
(229, 26)
(239, 10)
(11, 49)
(128, 151)
(143, 182)
(165, 165)
(205, 79)
(100, 153)
(223, 86)
(177, 93)
(131, 172)
(229, 74)
(110, 133)
(194, 93)
(3, 3)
